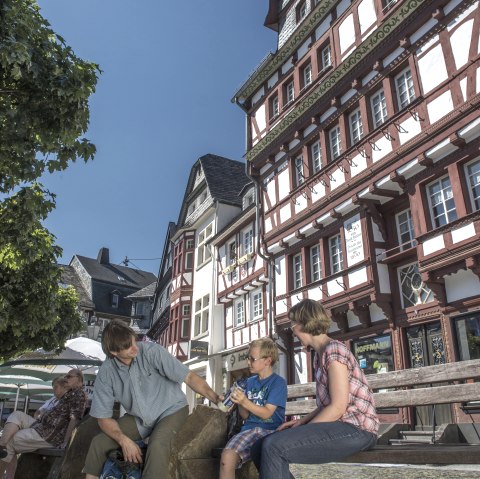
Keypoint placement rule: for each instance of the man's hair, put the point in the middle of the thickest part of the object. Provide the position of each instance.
(268, 349)
(311, 316)
(116, 336)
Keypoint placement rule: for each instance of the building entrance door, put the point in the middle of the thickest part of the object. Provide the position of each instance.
(426, 348)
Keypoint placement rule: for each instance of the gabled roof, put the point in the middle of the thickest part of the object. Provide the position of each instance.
(225, 180)
(116, 275)
(69, 276)
(146, 292)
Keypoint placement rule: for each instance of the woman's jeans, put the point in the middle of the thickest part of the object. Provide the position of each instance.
(314, 443)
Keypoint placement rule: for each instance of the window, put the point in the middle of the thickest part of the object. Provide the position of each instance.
(239, 312)
(316, 156)
(302, 11)
(315, 265)
(473, 180)
(204, 253)
(374, 355)
(189, 260)
(388, 4)
(413, 290)
(297, 271)
(442, 203)
(115, 300)
(185, 332)
(379, 108)
(405, 89)
(307, 75)
(139, 307)
(289, 92)
(298, 173)
(335, 143)
(325, 58)
(274, 107)
(356, 126)
(256, 300)
(186, 310)
(201, 315)
(232, 253)
(336, 254)
(405, 229)
(248, 242)
(467, 331)
(190, 243)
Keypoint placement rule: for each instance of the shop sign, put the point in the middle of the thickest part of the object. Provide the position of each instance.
(237, 360)
(88, 388)
(198, 349)
(354, 240)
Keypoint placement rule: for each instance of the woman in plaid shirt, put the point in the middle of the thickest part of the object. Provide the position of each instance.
(345, 420)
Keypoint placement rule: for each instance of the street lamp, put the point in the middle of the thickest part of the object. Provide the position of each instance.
(93, 329)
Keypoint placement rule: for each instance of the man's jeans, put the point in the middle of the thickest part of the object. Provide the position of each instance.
(315, 443)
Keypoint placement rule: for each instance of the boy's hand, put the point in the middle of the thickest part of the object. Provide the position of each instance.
(238, 397)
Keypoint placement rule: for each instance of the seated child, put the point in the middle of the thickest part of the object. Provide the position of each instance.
(262, 406)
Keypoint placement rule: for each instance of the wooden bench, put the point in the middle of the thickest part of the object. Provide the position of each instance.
(411, 388)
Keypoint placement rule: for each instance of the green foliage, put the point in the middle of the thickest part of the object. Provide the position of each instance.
(44, 92)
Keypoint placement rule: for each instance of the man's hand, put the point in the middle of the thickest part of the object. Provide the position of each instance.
(131, 451)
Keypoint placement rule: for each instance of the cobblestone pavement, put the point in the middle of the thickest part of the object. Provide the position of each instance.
(361, 471)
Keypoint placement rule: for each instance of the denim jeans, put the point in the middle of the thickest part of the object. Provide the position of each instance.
(314, 443)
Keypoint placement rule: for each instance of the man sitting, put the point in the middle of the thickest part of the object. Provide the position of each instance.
(60, 387)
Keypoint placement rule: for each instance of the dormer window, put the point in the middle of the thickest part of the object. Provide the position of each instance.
(115, 299)
(302, 11)
(248, 199)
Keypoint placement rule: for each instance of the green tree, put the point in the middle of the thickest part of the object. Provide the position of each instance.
(44, 92)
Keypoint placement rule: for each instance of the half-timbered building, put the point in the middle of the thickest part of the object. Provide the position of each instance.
(363, 139)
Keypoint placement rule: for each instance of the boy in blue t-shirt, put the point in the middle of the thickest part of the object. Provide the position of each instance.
(262, 406)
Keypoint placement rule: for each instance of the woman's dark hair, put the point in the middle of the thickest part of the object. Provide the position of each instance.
(116, 337)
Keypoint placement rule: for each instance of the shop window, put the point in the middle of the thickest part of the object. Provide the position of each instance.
(336, 254)
(356, 126)
(374, 355)
(405, 231)
(316, 155)
(472, 171)
(413, 290)
(467, 329)
(405, 89)
(441, 201)
(297, 271)
(379, 109)
(315, 264)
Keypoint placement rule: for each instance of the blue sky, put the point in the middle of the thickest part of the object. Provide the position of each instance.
(170, 69)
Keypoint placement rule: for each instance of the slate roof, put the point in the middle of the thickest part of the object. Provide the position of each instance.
(146, 292)
(110, 273)
(225, 180)
(69, 276)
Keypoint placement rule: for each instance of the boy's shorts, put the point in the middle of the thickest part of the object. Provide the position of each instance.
(242, 442)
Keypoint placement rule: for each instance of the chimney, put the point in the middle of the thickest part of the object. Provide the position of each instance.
(103, 256)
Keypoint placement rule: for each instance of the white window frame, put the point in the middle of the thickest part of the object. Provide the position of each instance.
(298, 170)
(356, 126)
(239, 312)
(378, 104)
(405, 89)
(326, 57)
(421, 294)
(316, 154)
(232, 253)
(290, 92)
(202, 313)
(335, 139)
(407, 225)
(307, 75)
(189, 243)
(473, 183)
(275, 107)
(248, 241)
(315, 263)
(256, 305)
(303, 10)
(186, 310)
(446, 194)
(297, 268)
(335, 253)
(204, 255)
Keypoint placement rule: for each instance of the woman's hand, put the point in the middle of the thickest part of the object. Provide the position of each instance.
(289, 424)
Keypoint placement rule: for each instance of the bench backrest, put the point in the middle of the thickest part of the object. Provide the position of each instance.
(411, 378)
